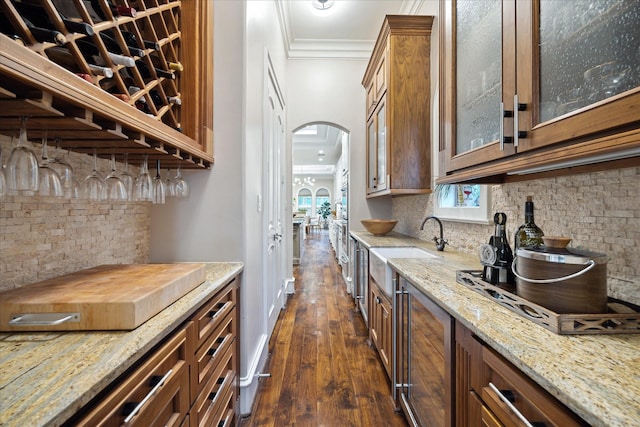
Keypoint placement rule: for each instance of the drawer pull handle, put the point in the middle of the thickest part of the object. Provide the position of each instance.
(219, 306)
(212, 350)
(507, 401)
(138, 406)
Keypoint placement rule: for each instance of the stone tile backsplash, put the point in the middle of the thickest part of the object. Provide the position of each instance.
(600, 211)
(45, 237)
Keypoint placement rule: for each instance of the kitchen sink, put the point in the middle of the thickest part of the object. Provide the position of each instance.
(380, 270)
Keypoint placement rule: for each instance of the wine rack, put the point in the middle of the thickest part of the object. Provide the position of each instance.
(131, 77)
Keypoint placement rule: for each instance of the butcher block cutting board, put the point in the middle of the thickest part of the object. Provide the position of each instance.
(107, 297)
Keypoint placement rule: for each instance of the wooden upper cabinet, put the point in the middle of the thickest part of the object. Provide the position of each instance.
(561, 90)
(398, 87)
(159, 105)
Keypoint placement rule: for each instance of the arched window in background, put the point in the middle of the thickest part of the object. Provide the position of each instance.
(322, 195)
(304, 200)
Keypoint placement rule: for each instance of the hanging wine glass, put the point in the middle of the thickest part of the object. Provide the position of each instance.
(22, 166)
(92, 186)
(180, 185)
(127, 178)
(142, 187)
(169, 185)
(65, 170)
(114, 188)
(158, 187)
(3, 179)
(49, 181)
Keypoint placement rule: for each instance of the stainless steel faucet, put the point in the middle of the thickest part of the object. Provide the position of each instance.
(440, 242)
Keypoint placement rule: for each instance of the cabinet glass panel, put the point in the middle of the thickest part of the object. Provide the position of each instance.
(478, 72)
(589, 51)
(382, 147)
(372, 153)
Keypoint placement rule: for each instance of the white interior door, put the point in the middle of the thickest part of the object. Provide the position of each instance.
(274, 210)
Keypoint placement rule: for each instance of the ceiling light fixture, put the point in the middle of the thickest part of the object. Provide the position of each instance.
(322, 4)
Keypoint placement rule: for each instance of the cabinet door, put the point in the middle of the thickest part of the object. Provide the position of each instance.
(377, 149)
(578, 69)
(474, 89)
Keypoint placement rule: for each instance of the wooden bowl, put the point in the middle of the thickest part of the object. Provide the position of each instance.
(378, 227)
(556, 241)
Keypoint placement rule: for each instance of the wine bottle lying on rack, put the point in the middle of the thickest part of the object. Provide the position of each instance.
(39, 17)
(115, 10)
(91, 52)
(146, 74)
(113, 46)
(42, 35)
(96, 13)
(62, 56)
(132, 41)
(171, 65)
(159, 100)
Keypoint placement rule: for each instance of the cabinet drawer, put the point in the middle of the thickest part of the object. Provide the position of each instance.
(154, 394)
(207, 318)
(506, 391)
(217, 397)
(210, 354)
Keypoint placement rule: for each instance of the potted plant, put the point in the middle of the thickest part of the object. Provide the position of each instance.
(324, 211)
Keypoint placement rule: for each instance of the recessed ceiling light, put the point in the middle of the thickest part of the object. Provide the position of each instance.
(322, 4)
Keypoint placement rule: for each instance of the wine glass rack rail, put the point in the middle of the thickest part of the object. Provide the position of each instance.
(129, 80)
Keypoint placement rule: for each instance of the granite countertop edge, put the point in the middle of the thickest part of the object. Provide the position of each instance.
(46, 377)
(596, 376)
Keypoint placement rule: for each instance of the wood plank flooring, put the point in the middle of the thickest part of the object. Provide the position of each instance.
(323, 372)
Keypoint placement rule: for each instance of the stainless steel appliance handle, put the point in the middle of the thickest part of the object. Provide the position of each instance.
(510, 405)
(590, 264)
(147, 397)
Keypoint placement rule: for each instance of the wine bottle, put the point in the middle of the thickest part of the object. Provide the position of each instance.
(42, 35)
(132, 41)
(39, 17)
(115, 10)
(528, 235)
(171, 65)
(112, 45)
(62, 56)
(146, 74)
(497, 257)
(91, 52)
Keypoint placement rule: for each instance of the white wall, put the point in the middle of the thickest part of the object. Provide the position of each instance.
(220, 221)
(338, 98)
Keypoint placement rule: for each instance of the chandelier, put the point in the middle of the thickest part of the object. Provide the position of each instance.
(304, 181)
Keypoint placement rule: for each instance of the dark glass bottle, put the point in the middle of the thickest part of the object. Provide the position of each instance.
(497, 256)
(112, 45)
(528, 235)
(41, 34)
(115, 9)
(37, 15)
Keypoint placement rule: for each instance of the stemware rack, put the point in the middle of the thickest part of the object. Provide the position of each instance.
(77, 106)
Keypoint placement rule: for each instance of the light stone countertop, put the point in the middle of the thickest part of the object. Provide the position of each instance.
(597, 376)
(46, 377)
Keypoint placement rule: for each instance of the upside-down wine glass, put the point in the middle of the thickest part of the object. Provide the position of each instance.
(22, 166)
(49, 180)
(169, 185)
(92, 186)
(142, 187)
(65, 171)
(114, 188)
(180, 185)
(3, 179)
(158, 187)
(128, 179)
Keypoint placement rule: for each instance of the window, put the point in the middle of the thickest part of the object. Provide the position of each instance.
(322, 195)
(304, 200)
(463, 203)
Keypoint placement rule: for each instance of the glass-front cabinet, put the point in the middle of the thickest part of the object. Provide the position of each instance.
(521, 81)
(377, 150)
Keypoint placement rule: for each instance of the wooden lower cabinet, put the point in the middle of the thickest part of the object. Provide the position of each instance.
(492, 392)
(381, 324)
(189, 380)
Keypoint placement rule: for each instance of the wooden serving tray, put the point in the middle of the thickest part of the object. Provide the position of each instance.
(622, 317)
(107, 297)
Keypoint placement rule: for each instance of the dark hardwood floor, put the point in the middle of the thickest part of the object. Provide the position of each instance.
(323, 372)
